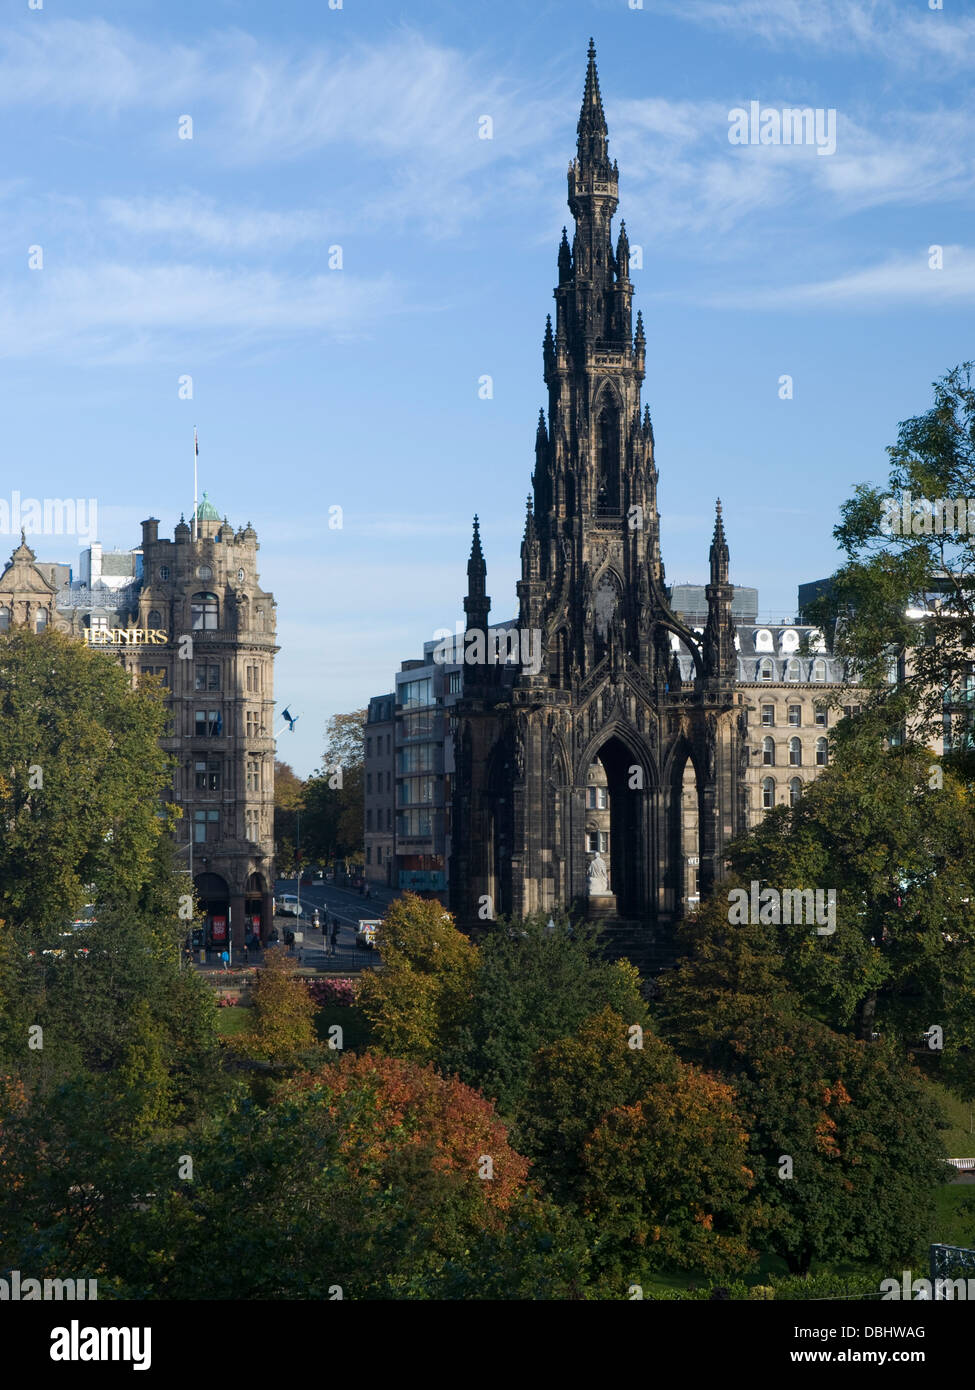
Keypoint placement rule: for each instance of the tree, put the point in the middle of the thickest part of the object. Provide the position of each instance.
(535, 983)
(289, 797)
(333, 817)
(899, 855)
(650, 1151)
(372, 1177)
(418, 1002)
(843, 1134)
(283, 1026)
(81, 781)
(895, 572)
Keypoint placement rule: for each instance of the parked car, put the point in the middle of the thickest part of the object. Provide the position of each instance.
(287, 905)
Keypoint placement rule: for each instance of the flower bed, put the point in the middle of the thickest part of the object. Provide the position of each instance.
(342, 991)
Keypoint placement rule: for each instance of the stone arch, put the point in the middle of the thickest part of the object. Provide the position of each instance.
(632, 802)
(684, 780)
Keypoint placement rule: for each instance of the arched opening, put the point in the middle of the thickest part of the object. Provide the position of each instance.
(607, 461)
(213, 898)
(624, 821)
(254, 893)
(690, 829)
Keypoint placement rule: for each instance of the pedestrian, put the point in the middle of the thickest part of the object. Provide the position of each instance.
(335, 936)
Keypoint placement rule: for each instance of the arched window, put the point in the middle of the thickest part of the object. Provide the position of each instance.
(768, 752)
(795, 790)
(792, 672)
(204, 612)
(607, 461)
(819, 669)
(4, 618)
(768, 793)
(154, 619)
(766, 670)
(822, 752)
(795, 752)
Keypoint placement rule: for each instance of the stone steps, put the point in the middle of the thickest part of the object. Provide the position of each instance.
(647, 946)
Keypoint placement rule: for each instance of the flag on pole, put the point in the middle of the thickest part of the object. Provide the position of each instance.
(291, 718)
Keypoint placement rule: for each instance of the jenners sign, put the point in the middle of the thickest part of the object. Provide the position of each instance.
(125, 637)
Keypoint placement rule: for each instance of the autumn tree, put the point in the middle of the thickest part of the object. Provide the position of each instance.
(372, 1176)
(649, 1151)
(417, 1003)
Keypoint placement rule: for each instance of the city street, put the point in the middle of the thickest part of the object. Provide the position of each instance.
(345, 904)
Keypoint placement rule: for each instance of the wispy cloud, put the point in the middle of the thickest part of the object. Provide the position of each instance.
(193, 220)
(895, 282)
(122, 312)
(683, 176)
(886, 29)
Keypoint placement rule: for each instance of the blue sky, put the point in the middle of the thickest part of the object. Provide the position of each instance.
(316, 387)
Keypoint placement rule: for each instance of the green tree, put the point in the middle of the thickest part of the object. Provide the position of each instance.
(289, 797)
(81, 782)
(283, 1026)
(890, 578)
(844, 1141)
(333, 817)
(535, 983)
(417, 1003)
(900, 857)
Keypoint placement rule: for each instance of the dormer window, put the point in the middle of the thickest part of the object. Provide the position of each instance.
(763, 640)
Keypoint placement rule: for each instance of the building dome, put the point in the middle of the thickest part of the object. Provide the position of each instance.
(206, 511)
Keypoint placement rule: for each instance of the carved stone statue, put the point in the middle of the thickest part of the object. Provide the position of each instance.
(598, 877)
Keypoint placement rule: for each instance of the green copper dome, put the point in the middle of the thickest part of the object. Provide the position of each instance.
(206, 511)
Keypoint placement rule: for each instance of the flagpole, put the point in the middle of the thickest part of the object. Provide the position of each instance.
(196, 455)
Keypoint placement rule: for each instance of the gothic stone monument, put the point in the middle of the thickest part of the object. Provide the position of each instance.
(593, 589)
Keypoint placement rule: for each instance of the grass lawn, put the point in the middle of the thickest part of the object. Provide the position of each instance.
(233, 1020)
(959, 1139)
(955, 1222)
(352, 1021)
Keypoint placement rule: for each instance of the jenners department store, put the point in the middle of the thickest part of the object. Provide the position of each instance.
(191, 612)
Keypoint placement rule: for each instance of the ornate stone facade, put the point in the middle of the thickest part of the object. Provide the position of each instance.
(608, 687)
